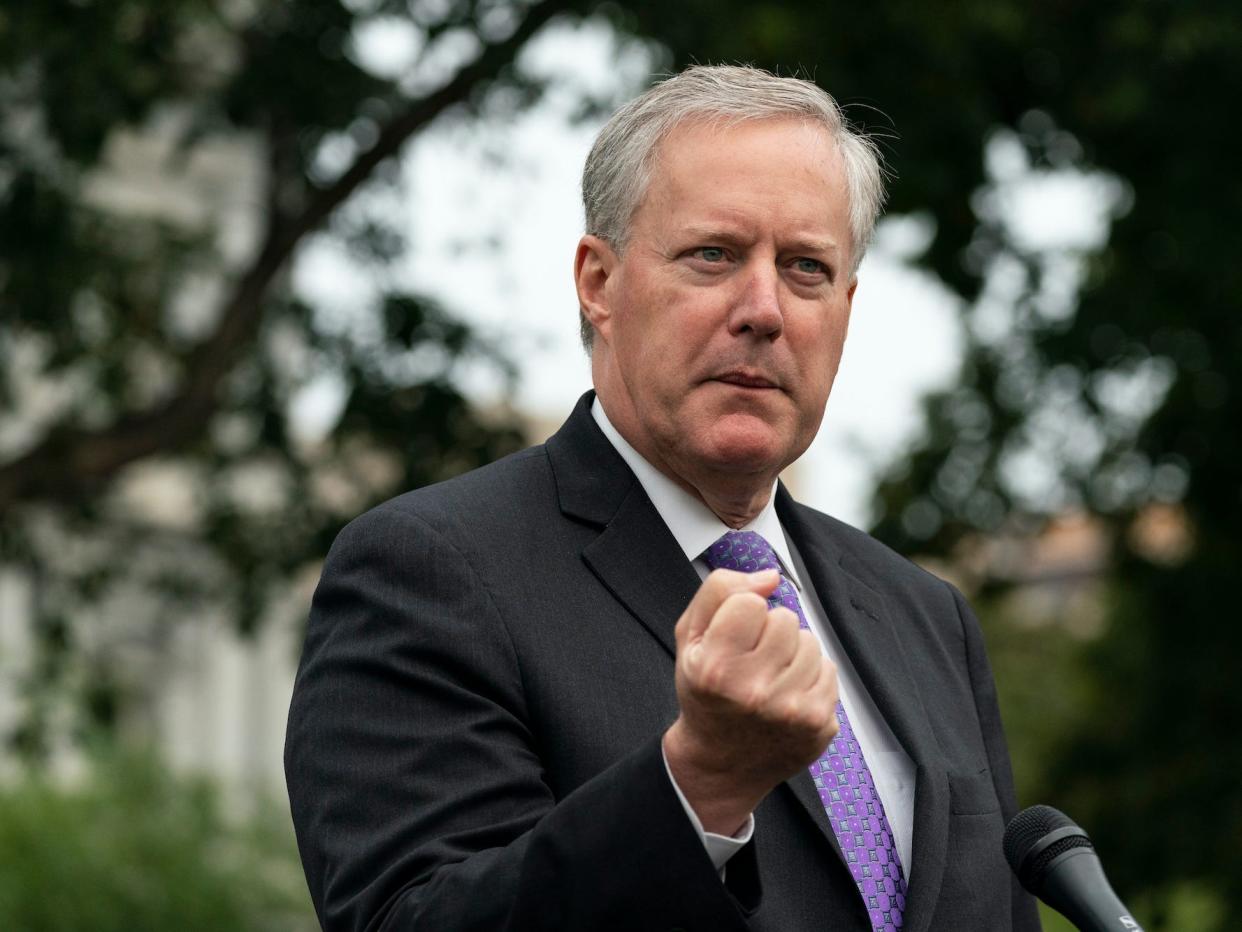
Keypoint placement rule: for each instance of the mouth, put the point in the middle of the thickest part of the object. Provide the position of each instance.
(745, 378)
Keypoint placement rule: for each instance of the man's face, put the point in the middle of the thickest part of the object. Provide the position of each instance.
(720, 327)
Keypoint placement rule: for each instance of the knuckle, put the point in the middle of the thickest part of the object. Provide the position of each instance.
(712, 677)
(690, 657)
(756, 696)
(747, 601)
(832, 728)
(785, 618)
(829, 701)
(790, 712)
(824, 718)
(828, 673)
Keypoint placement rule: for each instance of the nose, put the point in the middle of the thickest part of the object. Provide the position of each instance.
(757, 309)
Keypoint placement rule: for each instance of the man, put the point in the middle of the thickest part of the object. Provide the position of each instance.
(622, 680)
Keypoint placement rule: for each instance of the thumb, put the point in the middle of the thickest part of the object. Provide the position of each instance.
(716, 588)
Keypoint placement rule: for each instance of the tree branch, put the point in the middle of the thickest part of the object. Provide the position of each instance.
(70, 464)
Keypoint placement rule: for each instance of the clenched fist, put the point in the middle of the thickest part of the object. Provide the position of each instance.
(758, 698)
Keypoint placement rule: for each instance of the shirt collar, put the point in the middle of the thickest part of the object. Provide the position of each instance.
(694, 526)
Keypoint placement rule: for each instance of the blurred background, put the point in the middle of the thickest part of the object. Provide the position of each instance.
(265, 263)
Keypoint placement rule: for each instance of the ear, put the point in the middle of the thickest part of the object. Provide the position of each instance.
(594, 263)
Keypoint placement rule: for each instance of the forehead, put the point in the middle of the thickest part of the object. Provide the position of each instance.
(790, 167)
(703, 135)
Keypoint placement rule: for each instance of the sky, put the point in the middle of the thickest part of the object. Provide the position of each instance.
(493, 215)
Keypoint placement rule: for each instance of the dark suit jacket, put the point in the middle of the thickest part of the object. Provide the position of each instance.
(474, 738)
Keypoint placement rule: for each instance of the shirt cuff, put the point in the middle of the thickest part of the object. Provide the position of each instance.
(719, 847)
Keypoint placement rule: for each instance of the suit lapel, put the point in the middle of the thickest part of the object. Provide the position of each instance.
(635, 556)
(866, 629)
(640, 563)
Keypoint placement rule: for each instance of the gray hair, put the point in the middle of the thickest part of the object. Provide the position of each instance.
(618, 168)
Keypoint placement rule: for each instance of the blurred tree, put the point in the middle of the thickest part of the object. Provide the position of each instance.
(1098, 376)
(160, 165)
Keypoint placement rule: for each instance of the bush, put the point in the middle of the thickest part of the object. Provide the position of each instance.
(133, 848)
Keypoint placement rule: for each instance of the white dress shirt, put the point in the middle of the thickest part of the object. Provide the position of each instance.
(695, 527)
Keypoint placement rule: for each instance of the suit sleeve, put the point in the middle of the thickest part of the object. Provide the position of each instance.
(415, 778)
(1025, 913)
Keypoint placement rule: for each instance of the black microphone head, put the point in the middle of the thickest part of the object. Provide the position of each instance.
(1037, 836)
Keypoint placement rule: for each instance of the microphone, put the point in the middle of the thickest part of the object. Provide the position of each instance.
(1055, 860)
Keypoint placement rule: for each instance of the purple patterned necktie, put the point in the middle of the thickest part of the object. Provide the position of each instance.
(841, 774)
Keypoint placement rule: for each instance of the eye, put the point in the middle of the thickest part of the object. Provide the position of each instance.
(710, 253)
(810, 266)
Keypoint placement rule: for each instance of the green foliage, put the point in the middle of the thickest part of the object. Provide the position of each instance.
(1043, 688)
(132, 848)
(142, 330)
(1053, 921)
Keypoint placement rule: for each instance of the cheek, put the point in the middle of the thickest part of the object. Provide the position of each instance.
(819, 355)
(821, 336)
(674, 332)
(834, 346)
(643, 308)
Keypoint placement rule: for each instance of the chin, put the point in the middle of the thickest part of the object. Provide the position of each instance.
(750, 451)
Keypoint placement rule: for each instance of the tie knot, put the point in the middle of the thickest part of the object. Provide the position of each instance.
(745, 551)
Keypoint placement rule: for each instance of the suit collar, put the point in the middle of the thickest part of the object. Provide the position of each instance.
(591, 478)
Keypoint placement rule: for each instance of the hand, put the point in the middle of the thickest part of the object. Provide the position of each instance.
(758, 698)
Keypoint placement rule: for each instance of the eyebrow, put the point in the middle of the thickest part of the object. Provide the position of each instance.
(712, 233)
(736, 234)
(816, 245)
